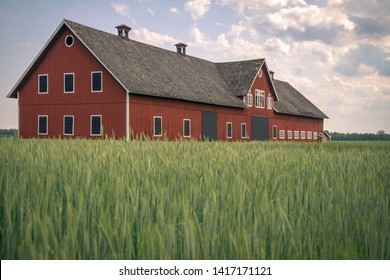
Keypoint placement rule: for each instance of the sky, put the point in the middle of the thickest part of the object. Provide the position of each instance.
(335, 52)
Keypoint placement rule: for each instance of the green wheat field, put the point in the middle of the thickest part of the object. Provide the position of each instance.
(83, 199)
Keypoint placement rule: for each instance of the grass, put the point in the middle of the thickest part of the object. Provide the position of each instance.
(82, 199)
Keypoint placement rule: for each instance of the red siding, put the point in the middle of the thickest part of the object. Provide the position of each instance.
(60, 59)
(294, 123)
(143, 108)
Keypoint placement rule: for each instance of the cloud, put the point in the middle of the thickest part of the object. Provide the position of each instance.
(121, 9)
(237, 30)
(264, 6)
(174, 10)
(197, 8)
(364, 60)
(25, 44)
(153, 38)
(151, 12)
(302, 17)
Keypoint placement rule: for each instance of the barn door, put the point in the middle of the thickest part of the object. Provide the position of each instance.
(209, 125)
(260, 128)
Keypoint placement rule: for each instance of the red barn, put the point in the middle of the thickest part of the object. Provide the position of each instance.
(92, 84)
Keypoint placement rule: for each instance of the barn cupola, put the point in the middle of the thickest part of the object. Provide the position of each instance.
(123, 31)
(181, 48)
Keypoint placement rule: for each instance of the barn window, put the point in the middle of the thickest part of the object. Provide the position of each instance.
(296, 134)
(69, 41)
(69, 82)
(274, 132)
(42, 125)
(96, 125)
(303, 135)
(229, 130)
(309, 135)
(68, 125)
(97, 81)
(260, 73)
(281, 134)
(243, 130)
(289, 134)
(250, 99)
(315, 135)
(157, 126)
(186, 128)
(260, 102)
(269, 102)
(43, 83)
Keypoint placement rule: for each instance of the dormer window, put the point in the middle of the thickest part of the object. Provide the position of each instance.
(249, 99)
(269, 101)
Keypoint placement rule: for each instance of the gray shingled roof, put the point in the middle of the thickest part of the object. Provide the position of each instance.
(239, 75)
(148, 70)
(292, 102)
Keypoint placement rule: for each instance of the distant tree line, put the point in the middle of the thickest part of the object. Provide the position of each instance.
(379, 136)
(8, 132)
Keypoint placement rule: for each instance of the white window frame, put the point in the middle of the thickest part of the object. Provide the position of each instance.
(289, 134)
(154, 126)
(315, 135)
(250, 99)
(269, 101)
(101, 82)
(260, 95)
(69, 116)
(39, 84)
(282, 134)
(184, 126)
(296, 134)
(309, 135)
(227, 130)
(47, 124)
(243, 130)
(66, 38)
(260, 73)
(275, 129)
(303, 135)
(101, 121)
(65, 83)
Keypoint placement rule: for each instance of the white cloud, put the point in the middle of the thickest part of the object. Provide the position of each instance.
(174, 10)
(256, 6)
(121, 9)
(237, 30)
(301, 17)
(197, 8)
(153, 38)
(151, 12)
(25, 44)
(335, 2)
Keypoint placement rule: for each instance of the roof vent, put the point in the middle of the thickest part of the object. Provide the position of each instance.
(272, 73)
(181, 48)
(123, 31)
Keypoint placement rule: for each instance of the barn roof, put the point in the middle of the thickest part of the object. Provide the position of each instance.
(147, 70)
(292, 102)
